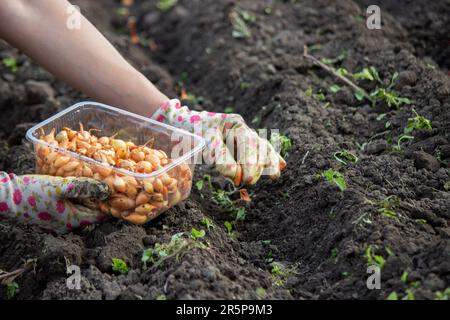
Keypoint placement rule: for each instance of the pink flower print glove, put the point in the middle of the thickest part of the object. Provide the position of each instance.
(49, 202)
(236, 150)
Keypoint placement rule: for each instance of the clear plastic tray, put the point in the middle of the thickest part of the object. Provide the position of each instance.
(179, 145)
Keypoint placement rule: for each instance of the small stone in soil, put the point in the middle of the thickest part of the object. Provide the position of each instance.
(423, 160)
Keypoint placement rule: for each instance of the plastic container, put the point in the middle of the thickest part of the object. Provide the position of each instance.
(146, 195)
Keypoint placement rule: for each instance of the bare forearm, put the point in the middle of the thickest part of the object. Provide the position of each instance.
(82, 57)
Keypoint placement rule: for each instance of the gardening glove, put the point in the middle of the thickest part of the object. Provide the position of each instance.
(47, 201)
(224, 134)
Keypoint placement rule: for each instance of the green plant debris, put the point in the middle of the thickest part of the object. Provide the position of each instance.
(122, 11)
(447, 186)
(120, 266)
(409, 295)
(370, 74)
(334, 88)
(374, 259)
(344, 156)
(222, 198)
(208, 224)
(260, 293)
(400, 140)
(11, 289)
(308, 92)
(334, 254)
(159, 253)
(228, 109)
(282, 142)
(238, 214)
(404, 277)
(392, 296)
(240, 19)
(280, 273)
(194, 99)
(445, 295)
(166, 5)
(391, 98)
(161, 297)
(229, 227)
(342, 72)
(244, 85)
(197, 234)
(199, 184)
(388, 207)
(335, 177)
(417, 122)
(320, 96)
(11, 64)
(332, 61)
(359, 95)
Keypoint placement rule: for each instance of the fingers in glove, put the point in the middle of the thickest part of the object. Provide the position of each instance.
(84, 188)
(249, 154)
(80, 215)
(218, 152)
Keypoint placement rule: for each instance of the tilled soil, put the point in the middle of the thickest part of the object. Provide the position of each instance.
(318, 234)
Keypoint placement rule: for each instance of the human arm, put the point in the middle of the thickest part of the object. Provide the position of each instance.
(82, 57)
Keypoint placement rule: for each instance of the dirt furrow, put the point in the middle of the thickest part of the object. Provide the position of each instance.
(310, 223)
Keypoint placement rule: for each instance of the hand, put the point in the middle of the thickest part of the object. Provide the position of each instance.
(47, 201)
(225, 133)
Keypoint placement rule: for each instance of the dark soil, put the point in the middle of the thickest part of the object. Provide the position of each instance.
(317, 233)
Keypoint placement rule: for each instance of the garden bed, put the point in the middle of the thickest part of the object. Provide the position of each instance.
(302, 237)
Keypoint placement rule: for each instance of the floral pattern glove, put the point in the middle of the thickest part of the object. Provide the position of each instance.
(47, 201)
(236, 150)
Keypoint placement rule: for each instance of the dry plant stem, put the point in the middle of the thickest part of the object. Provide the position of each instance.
(8, 277)
(335, 73)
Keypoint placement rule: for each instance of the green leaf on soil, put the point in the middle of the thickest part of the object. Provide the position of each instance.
(439, 295)
(159, 253)
(120, 266)
(308, 92)
(404, 277)
(401, 139)
(166, 5)
(335, 177)
(228, 226)
(228, 110)
(418, 122)
(332, 61)
(334, 88)
(364, 74)
(240, 20)
(344, 156)
(359, 95)
(199, 184)
(374, 259)
(281, 143)
(392, 296)
(260, 293)
(208, 224)
(11, 64)
(342, 72)
(197, 234)
(11, 289)
(391, 98)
